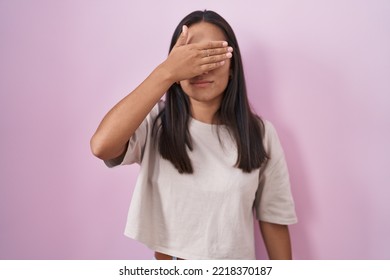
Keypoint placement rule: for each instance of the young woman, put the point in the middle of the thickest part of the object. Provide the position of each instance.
(208, 164)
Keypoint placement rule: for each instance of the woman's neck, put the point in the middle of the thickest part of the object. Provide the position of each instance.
(204, 112)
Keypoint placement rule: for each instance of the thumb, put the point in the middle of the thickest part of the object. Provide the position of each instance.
(183, 37)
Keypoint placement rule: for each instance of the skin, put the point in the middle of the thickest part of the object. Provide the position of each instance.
(200, 62)
(277, 240)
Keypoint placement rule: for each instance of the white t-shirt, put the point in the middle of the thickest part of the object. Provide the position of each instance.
(207, 214)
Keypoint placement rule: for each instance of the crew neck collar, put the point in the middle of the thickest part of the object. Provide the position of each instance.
(200, 123)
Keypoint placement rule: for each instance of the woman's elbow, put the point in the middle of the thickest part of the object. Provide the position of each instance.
(104, 149)
(98, 148)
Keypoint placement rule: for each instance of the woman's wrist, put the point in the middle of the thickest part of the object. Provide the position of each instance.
(165, 75)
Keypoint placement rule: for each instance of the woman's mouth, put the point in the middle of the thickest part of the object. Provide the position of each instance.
(201, 83)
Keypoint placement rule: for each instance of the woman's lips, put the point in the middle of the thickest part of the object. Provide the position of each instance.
(201, 83)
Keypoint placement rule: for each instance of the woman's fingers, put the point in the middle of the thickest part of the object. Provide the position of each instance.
(211, 66)
(212, 58)
(217, 51)
(210, 45)
(216, 58)
(182, 40)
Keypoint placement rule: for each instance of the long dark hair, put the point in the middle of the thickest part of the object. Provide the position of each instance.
(245, 127)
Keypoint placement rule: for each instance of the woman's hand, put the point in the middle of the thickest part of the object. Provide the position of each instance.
(186, 61)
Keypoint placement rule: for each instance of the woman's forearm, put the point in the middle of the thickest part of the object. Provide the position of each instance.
(277, 241)
(119, 124)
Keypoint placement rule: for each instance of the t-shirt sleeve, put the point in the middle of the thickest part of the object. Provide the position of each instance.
(274, 202)
(137, 142)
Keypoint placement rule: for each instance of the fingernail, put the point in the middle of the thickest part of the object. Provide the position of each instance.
(222, 62)
(229, 55)
(230, 49)
(225, 44)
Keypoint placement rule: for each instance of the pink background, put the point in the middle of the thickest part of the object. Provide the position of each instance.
(319, 70)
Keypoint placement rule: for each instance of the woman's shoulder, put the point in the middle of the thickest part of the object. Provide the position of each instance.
(156, 110)
(270, 134)
(160, 105)
(267, 128)
(271, 139)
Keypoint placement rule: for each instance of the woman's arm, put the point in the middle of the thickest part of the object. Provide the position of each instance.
(277, 241)
(184, 62)
(119, 124)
